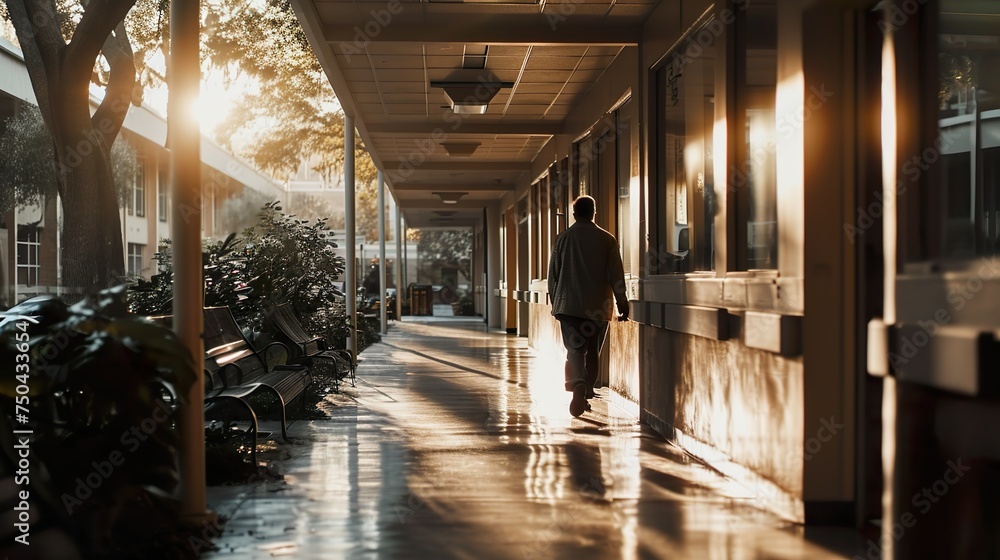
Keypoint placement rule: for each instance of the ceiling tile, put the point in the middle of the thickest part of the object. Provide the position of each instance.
(552, 62)
(559, 51)
(381, 62)
(393, 75)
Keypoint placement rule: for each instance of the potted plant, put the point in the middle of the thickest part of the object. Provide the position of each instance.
(98, 391)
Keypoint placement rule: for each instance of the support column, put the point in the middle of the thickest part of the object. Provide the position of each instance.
(399, 263)
(383, 311)
(493, 256)
(184, 77)
(351, 267)
(406, 258)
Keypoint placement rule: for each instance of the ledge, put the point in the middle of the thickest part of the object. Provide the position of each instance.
(708, 322)
(743, 308)
(781, 334)
(738, 291)
(960, 360)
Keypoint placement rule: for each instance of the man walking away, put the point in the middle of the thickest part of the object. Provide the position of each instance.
(586, 278)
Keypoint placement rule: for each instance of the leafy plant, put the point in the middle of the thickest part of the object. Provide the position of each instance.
(100, 393)
(281, 259)
(465, 306)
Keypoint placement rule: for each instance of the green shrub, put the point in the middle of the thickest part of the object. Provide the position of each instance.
(281, 259)
(103, 387)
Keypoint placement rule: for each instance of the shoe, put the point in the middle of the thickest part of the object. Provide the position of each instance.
(589, 408)
(591, 394)
(579, 403)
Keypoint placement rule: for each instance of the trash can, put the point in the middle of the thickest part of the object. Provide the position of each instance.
(420, 299)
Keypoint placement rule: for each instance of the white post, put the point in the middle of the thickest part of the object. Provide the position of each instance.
(406, 258)
(399, 264)
(59, 278)
(381, 254)
(13, 273)
(184, 77)
(351, 283)
(493, 255)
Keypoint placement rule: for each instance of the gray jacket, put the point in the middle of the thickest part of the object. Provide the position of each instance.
(585, 273)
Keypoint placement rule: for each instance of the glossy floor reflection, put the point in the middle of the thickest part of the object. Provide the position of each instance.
(460, 446)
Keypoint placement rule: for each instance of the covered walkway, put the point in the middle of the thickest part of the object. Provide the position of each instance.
(457, 443)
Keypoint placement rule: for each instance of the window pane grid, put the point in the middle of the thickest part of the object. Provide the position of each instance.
(161, 195)
(28, 264)
(134, 259)
(140, 189)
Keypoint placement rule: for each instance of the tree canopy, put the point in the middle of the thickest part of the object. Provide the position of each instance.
(288, 110)
(443, 250)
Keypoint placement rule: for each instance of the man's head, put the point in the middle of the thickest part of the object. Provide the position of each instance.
(584, 208)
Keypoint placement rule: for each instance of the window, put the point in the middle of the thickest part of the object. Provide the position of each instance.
(28, 265)
(968, 143)
(161, 194)
(559, 197)
(139, 188)
(133, 262)
(135, 196)
(581, 162)
(755, 180)
(685, 97)
(623, 166)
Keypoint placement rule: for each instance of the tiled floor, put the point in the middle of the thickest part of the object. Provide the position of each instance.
(458, 445)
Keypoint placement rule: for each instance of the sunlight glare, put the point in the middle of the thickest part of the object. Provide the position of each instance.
(212, 108)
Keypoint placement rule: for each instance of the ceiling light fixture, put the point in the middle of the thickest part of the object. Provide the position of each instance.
(450, 197)
(471, 98)
(460, 149)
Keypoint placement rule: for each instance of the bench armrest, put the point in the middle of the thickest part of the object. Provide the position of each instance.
(274, 354)
(229, 373)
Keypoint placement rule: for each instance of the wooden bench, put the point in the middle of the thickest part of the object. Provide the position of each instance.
(235, 371)
(238, 366)
(220, 399)
(305, 348)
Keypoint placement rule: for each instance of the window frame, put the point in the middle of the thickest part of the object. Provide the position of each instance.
(33, 249)
(748, 98)
(161, 195)
(657, 263)
(133, 260)
(139, 188)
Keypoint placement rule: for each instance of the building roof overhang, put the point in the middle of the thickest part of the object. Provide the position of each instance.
(396, 67)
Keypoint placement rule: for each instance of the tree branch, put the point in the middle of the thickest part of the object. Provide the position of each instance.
(37, 28)
(110, 115)
(99, 19)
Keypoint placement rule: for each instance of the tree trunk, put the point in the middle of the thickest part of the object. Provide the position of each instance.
(92, 253)
(60, 74)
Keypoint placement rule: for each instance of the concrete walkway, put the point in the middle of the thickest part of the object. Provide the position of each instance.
(457, 444)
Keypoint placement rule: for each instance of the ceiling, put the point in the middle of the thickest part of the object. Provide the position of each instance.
(385, 60)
